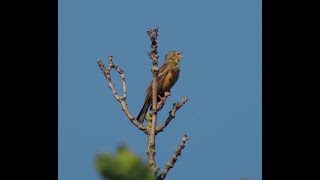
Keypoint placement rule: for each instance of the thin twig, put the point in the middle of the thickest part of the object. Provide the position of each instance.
(172, 114)
(162, 100)
(174, 158)
(121, 99)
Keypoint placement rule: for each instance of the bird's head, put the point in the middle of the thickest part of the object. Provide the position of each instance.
(173, 56)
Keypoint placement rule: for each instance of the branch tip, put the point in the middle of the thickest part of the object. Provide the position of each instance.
(172, 114)
(120, 99)
(174, 158)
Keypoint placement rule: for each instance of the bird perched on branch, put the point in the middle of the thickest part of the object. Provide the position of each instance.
(168, 75)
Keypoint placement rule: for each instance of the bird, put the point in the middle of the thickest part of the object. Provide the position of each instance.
(168, 75)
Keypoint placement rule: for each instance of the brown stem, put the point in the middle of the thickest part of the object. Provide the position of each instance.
(174, 158)
(153, 54)
(121, 99)
(172, 114)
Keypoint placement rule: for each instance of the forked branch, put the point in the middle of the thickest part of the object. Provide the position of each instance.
(172, 114)
(151, 129)
(121, 99)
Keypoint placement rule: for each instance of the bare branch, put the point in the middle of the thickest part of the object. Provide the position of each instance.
(172, 114)
(153, 54)
(174, 158)
(151, 129)
(121, 99)
(153, 34)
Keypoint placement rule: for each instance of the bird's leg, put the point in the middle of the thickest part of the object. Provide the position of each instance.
(162, 100)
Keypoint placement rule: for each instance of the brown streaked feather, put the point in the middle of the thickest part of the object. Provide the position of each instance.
(163, 71)
(167, 77)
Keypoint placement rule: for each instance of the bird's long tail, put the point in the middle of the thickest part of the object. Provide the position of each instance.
(143, 111)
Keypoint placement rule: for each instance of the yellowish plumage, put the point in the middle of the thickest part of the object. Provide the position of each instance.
(167, 76)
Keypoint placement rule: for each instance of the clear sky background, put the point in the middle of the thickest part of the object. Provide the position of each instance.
(221, 74)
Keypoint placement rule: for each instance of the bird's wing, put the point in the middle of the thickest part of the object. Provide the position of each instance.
(163, 71)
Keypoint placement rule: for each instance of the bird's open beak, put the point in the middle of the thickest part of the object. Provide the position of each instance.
(180, 55)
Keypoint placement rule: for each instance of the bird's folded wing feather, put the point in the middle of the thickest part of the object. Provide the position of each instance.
(163, 71)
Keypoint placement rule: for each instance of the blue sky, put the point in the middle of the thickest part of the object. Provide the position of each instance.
(221, 73)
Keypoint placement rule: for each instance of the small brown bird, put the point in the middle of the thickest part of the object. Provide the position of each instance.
(167, 76)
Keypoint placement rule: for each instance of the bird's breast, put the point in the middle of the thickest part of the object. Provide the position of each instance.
(170, 80)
